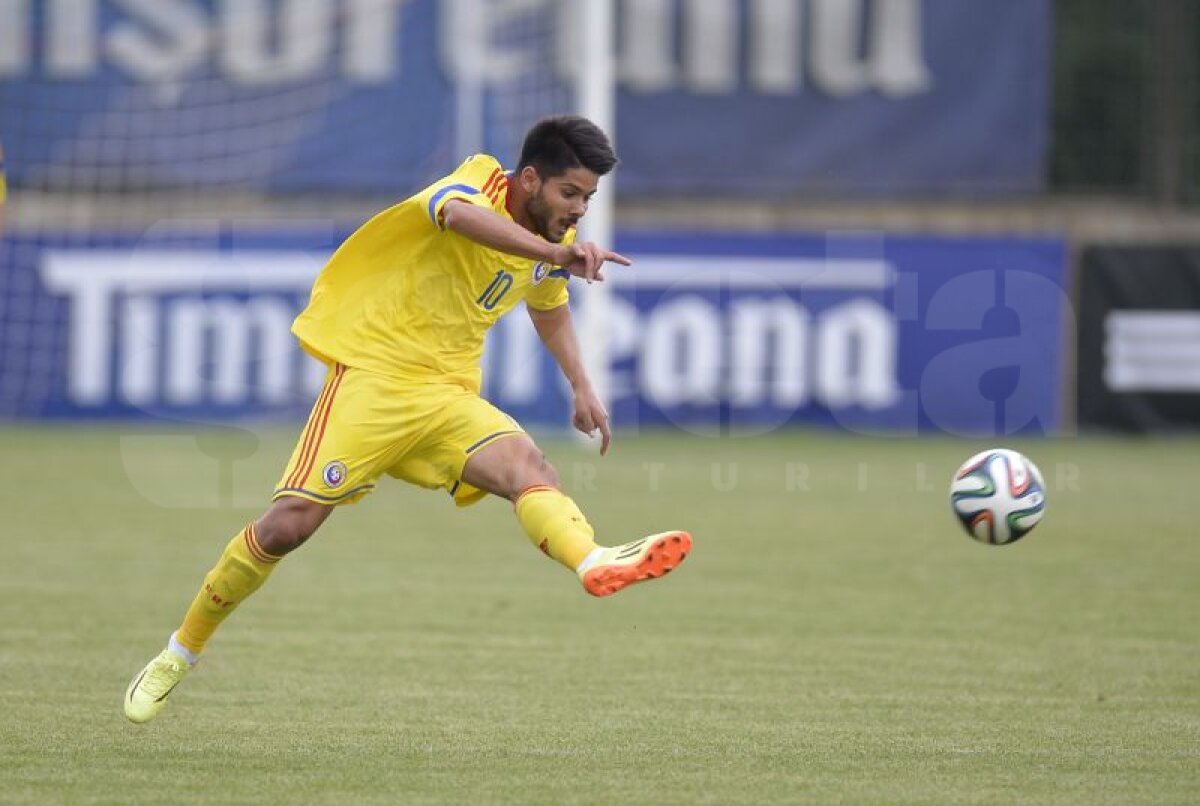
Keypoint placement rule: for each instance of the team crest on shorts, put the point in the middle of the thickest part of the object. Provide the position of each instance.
(540, 272)
(334, 474)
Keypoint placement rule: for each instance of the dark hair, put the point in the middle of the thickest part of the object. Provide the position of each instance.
(556, 145)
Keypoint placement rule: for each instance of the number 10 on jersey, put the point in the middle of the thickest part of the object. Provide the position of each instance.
(496, 290)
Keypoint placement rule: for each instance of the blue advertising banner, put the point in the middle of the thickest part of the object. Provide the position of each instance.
(707, 333)
(775, 97)
(896, 334)
(845, 96)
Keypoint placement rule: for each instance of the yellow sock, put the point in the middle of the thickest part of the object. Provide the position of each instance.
(555, 525)
(241, 570)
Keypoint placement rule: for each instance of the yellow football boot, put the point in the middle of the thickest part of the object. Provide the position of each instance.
(147, 694)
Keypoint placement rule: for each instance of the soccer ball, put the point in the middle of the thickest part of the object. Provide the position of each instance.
(998, 495)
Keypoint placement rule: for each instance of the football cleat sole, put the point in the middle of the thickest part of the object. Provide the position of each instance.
(650, 558)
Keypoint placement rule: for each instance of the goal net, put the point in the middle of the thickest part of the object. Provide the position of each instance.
(179, 172)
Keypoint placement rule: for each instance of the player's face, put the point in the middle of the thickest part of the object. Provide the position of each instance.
(560, 201)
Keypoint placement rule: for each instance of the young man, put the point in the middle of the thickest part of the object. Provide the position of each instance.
(399, 316)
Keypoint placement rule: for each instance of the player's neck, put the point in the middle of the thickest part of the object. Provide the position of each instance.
(515, 203)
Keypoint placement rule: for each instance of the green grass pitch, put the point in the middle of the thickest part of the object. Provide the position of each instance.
(833, 637)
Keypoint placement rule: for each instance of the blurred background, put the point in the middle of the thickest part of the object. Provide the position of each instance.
(905, 216)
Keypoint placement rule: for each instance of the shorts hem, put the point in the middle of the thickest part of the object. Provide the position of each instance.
(463, 494)
(331, 500)
(470, 495)
(490, 438)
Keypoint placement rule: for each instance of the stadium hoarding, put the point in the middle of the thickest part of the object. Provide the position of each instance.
(867, 333)
(863, 96)
(709, 333)
(1139, 338)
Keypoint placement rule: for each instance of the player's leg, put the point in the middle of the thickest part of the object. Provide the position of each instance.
(336, 461)
(516, 469)
(248, 559)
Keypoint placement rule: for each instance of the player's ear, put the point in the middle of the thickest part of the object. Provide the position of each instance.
(530, 181)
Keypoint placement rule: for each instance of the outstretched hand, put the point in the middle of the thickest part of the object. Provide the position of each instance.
(586, 259)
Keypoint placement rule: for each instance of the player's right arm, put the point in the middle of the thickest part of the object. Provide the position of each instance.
(485, 226)
(465, 202)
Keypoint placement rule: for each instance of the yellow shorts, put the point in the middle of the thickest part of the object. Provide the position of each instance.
(365, 424)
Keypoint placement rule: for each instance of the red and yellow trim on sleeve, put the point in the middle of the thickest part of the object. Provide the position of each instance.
(492, 182)
(496, 188)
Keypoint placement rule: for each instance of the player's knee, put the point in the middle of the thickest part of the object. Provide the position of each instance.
(281, 535)
(549, 474)
(289, 523)
(538, 471)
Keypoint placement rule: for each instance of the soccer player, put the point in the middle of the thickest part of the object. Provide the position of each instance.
(399, 316)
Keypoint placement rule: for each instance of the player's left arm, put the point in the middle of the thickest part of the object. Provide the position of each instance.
(557, 332)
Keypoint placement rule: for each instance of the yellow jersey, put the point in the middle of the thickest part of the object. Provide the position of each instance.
(3, 183)
(403, 296)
